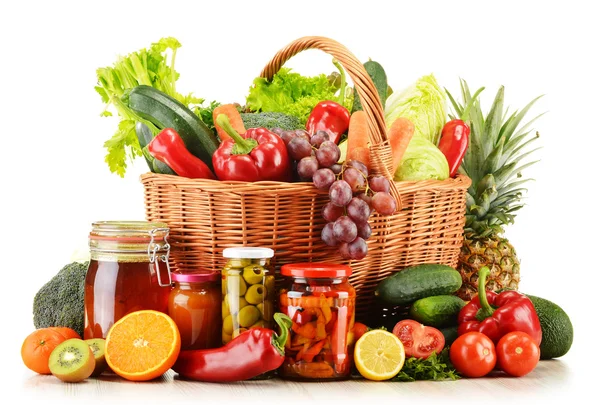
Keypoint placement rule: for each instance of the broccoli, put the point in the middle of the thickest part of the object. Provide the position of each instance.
(271, 120)
(60, 301)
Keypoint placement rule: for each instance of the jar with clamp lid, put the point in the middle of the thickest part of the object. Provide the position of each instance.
(128, 271)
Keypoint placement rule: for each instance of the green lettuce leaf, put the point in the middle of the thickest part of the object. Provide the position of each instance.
(422, 161)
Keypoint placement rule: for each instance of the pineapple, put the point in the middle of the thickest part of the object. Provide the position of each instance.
(494, 161)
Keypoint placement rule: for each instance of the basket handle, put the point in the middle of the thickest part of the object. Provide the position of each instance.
(381, 153)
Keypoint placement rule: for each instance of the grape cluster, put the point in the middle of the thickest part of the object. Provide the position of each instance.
(353, 194)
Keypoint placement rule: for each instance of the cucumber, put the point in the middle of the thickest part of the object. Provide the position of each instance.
(166, 112)
(438, 311)
(379, 78)
(450, 334)
(416, 282)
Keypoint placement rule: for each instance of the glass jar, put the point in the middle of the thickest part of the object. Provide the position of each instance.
(320, 301)
(195, 306)
(125, 273)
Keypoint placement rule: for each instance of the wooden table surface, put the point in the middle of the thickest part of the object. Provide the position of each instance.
(553, 381)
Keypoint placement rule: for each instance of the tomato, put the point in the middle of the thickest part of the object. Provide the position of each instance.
(359, 330)
(473, 354)
(518, 353)
(37, 347)
(419, 341)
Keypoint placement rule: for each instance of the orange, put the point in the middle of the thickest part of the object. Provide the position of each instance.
(68, 333)
(142, 345)
(37, 347)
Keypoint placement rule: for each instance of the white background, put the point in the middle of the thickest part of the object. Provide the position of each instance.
(55, 182)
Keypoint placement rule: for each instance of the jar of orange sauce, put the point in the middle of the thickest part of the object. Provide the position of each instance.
(128, 271)
(195, 306)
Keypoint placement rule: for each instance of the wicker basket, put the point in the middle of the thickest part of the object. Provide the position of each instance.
(206, 216)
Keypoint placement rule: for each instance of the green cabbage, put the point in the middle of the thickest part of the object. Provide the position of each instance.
(422, 161)
(424, 103)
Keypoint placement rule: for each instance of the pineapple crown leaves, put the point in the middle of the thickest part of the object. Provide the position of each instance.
(499, 148)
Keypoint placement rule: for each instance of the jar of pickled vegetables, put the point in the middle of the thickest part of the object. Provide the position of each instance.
(195, 306)
(128, 271)
(320, 301)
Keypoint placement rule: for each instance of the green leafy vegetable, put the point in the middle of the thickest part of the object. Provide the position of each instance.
(290, 93)
(436, 367)
(151, 67)
(206, 114)
(424, 103)
(422, 161)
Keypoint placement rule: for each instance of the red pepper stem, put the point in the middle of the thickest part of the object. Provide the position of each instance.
(467, 109)
(242, 146)
(285, 323)
(486, 309)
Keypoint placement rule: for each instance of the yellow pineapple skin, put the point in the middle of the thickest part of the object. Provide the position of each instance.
(494, 252)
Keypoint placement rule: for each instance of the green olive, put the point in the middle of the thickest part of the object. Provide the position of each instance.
(266, 309)
(236, 285)
(225, 338)
(224, 309)
(248, 316)
(234, 303)
(259, 324)
(228, 325)
(239, 263)
(238, 332)
(253, 274)
(256, 294)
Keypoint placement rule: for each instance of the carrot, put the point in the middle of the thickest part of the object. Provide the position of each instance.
(399, 135)
(358, 138)
(234, 118)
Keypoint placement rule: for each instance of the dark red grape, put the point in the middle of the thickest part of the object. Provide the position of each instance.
(307, 166)
(357, 249)
(277, 130)
(327, 235)
(336, 168)
(301, 133)
(354, 178)
(379, 183)
(331, 212)
(364, 230)
(299, 148)
(358, 165)
(317, 139)
(340, 193)
(384, 203)
(287, 136)
(358, 210)
(328, 154)
(344, 229)
(343, 249)
(323, 178)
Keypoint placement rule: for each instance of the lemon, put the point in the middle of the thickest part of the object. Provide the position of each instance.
(379, 355)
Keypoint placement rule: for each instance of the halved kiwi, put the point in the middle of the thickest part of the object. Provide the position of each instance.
(97, 345)
(72, 361)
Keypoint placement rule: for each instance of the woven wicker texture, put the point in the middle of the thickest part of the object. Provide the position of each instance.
(207, 216)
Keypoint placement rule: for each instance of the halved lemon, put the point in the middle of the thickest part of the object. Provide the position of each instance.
(379, 355)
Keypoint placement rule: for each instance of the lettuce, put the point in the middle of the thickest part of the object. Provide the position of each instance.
(424, 103)
(422, 161)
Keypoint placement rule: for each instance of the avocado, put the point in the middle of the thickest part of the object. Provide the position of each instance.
(557, 329)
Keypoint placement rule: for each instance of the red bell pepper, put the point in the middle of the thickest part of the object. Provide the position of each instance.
(495, 315)
(330, 117)
(249, 355)
(260, 155)
(169, 148)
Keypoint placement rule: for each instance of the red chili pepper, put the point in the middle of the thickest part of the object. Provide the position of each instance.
(330, 117)
(251, 354)
(495, 315)
(454, 140)
(169, 148)
(257, 156)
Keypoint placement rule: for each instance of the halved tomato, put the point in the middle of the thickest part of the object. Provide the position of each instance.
(419, 341)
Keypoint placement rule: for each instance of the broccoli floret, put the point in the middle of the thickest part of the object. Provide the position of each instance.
(271, 120)
(60, 301)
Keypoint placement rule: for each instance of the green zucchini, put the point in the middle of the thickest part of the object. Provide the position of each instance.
(450, 334)
(379, 78)
(164, 111)
(438, 311)
(416, 282)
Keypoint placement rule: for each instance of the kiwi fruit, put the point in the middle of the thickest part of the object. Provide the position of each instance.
(72, 361)
(97, 345)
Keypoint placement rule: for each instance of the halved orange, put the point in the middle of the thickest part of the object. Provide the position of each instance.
(142, 345)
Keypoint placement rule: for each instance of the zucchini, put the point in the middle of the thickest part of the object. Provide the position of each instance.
(450, 334)
(416, 282)
(164, 111)
(438, 311)
(379, 78)
(156, 166)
